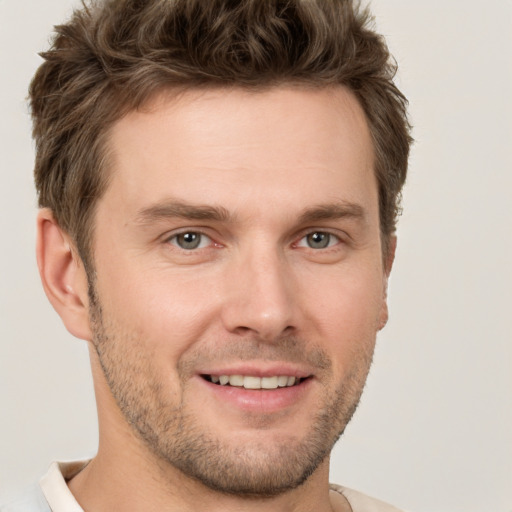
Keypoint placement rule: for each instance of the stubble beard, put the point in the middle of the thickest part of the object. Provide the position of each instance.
(252, 468)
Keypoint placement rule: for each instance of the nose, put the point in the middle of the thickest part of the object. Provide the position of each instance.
(259, 297)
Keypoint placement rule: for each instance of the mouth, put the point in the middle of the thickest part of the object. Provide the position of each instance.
(258, 390)
(254, 382)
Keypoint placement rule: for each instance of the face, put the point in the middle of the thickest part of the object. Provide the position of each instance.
(239, 282)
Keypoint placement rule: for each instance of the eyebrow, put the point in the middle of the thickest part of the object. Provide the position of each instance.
(333, 211)
(177, 209)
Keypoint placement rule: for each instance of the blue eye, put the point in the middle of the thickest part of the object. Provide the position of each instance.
(190, 240)
(318, 240)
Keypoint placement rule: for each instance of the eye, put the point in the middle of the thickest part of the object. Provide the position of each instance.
(318, 240)
(190, 240)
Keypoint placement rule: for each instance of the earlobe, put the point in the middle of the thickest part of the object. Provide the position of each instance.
(63, 275)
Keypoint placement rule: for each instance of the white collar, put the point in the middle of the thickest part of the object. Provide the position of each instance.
(55, 488)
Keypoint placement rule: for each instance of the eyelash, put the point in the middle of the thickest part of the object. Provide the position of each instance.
(173, 240)
(330, 236)
(202, 236)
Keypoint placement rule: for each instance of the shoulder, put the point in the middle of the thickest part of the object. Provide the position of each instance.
(51, 493)
(360, 502)
(32, 500)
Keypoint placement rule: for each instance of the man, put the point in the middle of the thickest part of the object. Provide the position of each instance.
(218, 184)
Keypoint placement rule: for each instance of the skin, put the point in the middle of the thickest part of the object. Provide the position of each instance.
(263, 171)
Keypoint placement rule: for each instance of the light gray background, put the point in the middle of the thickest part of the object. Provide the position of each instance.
(434, 429)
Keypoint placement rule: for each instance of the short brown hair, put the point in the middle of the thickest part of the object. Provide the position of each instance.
(114, 55)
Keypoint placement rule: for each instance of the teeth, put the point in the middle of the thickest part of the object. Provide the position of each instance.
(282, 381)
(251, 382)
(269, 382)
(236, 380)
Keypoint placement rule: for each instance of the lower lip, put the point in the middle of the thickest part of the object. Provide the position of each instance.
(258, 400)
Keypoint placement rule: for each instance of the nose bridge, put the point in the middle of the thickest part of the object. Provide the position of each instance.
(260, 297)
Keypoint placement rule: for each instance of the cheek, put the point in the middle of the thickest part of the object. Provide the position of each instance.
(165, 313)
(347, 300)
(347, 312)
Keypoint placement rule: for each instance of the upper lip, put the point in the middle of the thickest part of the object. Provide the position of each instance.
(258, 370)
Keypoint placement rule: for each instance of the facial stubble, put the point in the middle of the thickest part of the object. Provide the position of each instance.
(253, 468)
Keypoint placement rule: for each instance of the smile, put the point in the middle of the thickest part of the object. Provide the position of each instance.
(253, 382)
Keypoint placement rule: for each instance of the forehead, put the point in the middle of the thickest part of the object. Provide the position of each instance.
(235, 146)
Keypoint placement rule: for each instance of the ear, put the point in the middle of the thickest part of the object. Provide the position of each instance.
(388, 264)
(63, 275)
